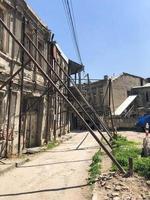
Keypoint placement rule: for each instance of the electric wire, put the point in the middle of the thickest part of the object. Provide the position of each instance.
(69, 11)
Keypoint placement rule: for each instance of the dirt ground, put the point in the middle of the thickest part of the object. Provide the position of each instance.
(57, 174)
(61, 174)
(118, 188)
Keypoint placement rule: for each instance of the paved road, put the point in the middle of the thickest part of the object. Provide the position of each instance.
(58, 174)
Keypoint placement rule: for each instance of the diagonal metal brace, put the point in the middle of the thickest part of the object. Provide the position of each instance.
(10, 78)
(65, 98)
(76, 100)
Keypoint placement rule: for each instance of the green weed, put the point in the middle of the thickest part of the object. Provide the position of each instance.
(53, 144)
(95, 168)
(123, 149)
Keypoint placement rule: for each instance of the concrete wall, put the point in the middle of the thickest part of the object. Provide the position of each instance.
(143, 99)
(125, 123)
(122, 86)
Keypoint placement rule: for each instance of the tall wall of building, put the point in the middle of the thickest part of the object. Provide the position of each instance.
(31, 111)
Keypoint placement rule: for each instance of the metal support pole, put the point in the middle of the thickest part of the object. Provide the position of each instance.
(110, 111)
(60, 123)
(82, 141)
(55, 115)
(87, 103)
(79, 75)
(72, 94)
(47, 129)
(10, 79)
(67, 101)
(21, 88)
(8, 120)
(130, 166)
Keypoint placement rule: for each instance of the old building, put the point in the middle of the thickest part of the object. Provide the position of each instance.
(106, 95)
(111, 92)
(31, 111)
(142, 101)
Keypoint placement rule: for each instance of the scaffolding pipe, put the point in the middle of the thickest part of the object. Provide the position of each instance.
(87, 103)
(70, 92)
(79, 92)
(67, 101)
(21, 88)
(10, 78)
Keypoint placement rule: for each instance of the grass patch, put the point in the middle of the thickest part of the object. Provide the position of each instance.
(95, 168)
(53, 144)
(142, 167)
(123, 149)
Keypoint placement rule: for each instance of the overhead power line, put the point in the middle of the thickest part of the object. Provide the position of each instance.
(69, 11)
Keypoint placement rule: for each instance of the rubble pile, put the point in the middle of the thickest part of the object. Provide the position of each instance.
(113, 186)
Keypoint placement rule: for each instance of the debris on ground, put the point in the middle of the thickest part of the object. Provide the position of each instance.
(112, 186)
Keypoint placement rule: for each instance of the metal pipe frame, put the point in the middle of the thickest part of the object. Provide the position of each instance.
(10, 79)
(87, 103)
(76, 100)
(65, 98)
(22, 82)
(110, 98)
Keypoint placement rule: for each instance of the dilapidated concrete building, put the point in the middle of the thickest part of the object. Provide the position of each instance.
(31, 112)
(142, 101)
(111, 91)
(107, 94)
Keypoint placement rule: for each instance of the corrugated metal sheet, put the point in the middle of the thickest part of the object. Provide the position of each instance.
(125, 104)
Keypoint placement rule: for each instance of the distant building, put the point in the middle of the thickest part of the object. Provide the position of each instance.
(109, 93)
(101, 94)
(142, 102)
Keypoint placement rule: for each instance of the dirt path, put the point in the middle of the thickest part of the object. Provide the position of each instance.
(58, 174)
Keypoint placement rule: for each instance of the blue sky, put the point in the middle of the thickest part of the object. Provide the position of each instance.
(114, 35)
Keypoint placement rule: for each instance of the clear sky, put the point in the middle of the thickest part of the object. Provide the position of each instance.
(114, 35)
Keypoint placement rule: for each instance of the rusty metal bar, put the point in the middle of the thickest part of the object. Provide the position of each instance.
(21, 88)
(79, 92)
(87, 103)
(110, 110)
(82, 141)
(67, 101)
(70, 92)
(8, 120)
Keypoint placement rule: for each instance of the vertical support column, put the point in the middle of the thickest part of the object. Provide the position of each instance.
(75, 77)
(8, 119)
(60, 110)
(55, 115)
(79, 75)
(48, 100)
(110, 110)
(21, 86)
(51, 96)
(9, 88)
(131, 169)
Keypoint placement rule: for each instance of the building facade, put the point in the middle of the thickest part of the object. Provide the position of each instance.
(111, 92)
(107, 94)
(142, 102)
(31, 111)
